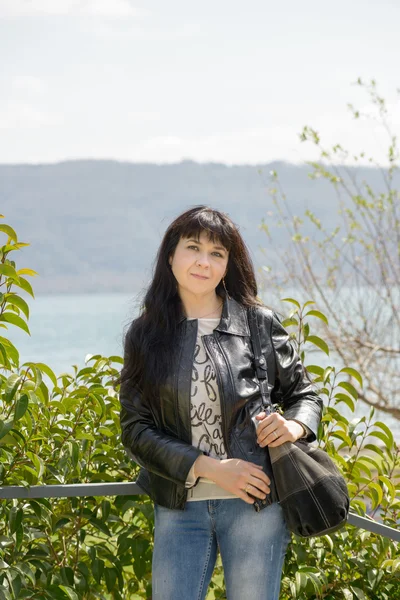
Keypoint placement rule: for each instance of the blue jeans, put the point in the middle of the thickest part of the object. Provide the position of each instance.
(252, 546)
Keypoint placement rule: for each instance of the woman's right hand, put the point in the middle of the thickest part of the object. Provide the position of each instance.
(233, 475)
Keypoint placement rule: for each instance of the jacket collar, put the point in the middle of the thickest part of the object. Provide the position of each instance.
(233, 318)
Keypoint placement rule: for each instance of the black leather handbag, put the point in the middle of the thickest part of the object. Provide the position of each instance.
(305, 481)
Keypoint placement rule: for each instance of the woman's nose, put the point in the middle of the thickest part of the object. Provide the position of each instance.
(203, 260)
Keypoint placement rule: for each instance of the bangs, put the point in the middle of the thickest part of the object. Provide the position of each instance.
(217, 229)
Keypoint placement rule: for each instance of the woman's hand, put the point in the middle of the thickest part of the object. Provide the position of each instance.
(274, 430)
(235, 475)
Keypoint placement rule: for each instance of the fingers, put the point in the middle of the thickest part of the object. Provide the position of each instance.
(271, 429)
(258, 481)
(252, 480)
(254, 491)
(261, 485)
(281, 440)
(244, 496)
(260, 474)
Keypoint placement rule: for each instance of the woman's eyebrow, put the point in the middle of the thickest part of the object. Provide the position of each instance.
(216, 247)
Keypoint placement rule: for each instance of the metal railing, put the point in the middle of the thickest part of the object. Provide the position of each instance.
(127, 488)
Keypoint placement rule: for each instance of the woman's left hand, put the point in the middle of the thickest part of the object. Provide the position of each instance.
(275, 430)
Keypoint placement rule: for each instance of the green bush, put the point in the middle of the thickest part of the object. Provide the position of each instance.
(65, 430)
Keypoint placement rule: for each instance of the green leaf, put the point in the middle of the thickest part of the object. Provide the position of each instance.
(15, 518)
(308, 303)
(111, 578)
(7, 271)
(369, 460)
(359, 594)
(4, 565)
(318, 314)
(354, 373)
(100, 525)
(56, 593)
(346, 399)
(9, 231)
(374, 449)
(317, 341)
(21, 407)
(27, 271)
(349, 388)
(5, 427)
(386, 430)
(117, 359)
(315, 370)
(289, 322)
(47, 371)
(38, 463)
(12, 352)
(70, 592)
(301, 582)
(105, 509)
(341, 435)
(390, 486)
(74, 454)
(292, 301)
(378, 496)
(25, 285)
(11, 386)
(61, 523)
(37, 376)
(106, 431)
(4, 357)
(67, 575)
(97, 569)
(14, 319)
(382, 437)
(16, 300)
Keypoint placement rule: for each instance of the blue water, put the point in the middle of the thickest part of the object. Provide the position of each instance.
(66, 328)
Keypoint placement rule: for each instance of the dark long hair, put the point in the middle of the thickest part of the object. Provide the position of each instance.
(151, 338)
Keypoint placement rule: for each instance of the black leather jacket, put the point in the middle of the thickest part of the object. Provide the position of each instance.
(161, 443)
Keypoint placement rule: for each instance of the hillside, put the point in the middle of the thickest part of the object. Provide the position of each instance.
(95, 225)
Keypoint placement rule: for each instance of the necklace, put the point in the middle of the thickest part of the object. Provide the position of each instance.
(210, 313)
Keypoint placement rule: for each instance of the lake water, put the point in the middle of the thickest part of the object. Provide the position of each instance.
(65, 328)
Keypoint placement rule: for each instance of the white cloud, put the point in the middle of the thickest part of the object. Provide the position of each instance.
(102, 8)
(27, 84)
(24, 117)
(169, 141)
(142, 116)
(109, 31)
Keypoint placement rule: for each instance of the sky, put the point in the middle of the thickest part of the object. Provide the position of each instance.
(213, 81)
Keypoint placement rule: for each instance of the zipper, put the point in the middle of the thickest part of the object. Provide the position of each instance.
(220, 388)
(176, 380)
(191, 375)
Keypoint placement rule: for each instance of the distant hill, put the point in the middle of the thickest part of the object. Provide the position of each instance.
(95, 225)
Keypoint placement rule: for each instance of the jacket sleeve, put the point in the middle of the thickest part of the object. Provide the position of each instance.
(292, 389)
(150, 447)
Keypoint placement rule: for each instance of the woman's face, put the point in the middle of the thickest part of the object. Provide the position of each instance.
(199, 265)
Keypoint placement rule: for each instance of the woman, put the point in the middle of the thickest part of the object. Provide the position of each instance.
(188, 370)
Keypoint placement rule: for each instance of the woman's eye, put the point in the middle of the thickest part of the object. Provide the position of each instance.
(215, 253)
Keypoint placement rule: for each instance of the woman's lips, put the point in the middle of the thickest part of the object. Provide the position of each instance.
(199, 276)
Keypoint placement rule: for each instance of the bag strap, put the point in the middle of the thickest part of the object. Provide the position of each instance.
(259, 359)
